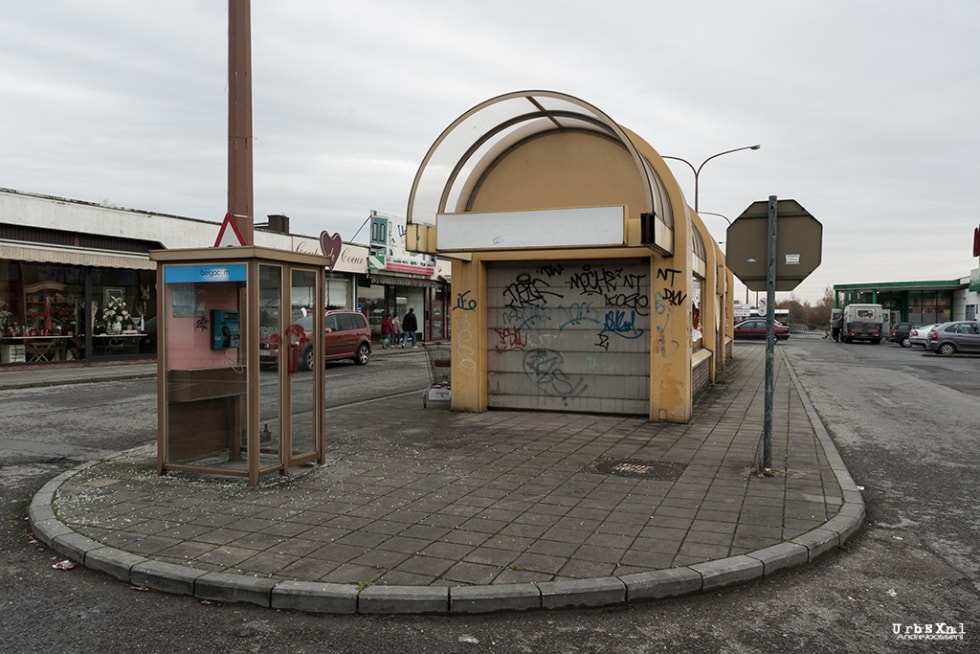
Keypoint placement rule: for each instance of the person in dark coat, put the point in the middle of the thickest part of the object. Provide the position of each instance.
(410, 325)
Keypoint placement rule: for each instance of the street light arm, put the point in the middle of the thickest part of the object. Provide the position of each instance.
(712, 213)
(697, 171)
(747, 147)
(689, 164)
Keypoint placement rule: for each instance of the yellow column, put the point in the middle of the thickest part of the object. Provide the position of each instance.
(469, 336)
(670, 349)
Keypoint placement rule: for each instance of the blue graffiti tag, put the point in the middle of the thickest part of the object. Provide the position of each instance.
(622, 324)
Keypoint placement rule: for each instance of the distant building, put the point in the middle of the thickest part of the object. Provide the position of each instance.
(920, 302)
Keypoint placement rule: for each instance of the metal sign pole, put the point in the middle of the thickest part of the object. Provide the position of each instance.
(770, 336)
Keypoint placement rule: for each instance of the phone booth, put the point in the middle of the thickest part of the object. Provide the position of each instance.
(234, 325)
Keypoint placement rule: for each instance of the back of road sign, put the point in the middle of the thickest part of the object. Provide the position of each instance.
(799, 238)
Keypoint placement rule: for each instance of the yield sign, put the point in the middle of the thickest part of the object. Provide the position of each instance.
(228, 235)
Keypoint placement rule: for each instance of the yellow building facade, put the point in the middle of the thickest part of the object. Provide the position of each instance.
(581, 279)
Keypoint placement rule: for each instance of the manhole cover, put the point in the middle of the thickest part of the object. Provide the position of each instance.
(646, 469)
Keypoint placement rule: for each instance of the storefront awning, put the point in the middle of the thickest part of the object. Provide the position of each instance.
(394, 280)
(74, 256)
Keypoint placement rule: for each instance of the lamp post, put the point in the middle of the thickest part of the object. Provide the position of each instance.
(697, 171)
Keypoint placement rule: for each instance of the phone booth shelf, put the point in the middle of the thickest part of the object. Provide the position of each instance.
(233, 325)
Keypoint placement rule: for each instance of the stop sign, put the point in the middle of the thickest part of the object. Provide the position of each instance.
(799, 239)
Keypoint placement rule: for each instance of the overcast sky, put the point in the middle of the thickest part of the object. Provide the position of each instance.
(867, 110)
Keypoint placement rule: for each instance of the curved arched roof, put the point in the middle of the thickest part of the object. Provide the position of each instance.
(472, 142)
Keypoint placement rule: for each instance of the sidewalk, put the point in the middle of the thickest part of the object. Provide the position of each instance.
(429, 511)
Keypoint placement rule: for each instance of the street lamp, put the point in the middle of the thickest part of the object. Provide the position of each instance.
(697, 171)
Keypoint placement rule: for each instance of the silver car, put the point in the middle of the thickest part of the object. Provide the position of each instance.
(952, 337)
(920, 335)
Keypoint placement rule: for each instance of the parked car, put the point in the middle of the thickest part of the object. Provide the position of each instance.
(755, 329)
(952, 337)
(346, 336)
(920, 335)
(900, 333)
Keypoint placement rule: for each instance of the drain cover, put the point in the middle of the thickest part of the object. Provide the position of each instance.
(646, 469)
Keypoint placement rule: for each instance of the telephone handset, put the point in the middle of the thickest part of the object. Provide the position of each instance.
(225, 331)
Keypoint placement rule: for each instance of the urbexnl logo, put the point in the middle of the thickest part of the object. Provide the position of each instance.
(930, 631)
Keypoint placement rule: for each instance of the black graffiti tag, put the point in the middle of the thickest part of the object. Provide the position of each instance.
(543, 366)
(673, 297)
(526, 290)
(596, 281)
(463, 303)
(667, 274)
(552, 269)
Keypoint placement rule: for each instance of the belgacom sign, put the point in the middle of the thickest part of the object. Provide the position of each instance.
(798, 236)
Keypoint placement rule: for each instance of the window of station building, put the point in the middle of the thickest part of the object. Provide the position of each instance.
(697, 292)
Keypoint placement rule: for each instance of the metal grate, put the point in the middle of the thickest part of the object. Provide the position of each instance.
(658, 470)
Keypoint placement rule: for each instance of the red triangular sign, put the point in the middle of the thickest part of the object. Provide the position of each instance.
(229, 237)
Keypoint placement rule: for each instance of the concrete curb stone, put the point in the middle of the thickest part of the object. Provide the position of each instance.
(49, 529)
(315, 597)
(725, 572)
(660, 584)
(112, 561)
(166, 577)
(818, 542)
(232, 588)
(490, 599)
(75, 546)
(600, 591)
(404, 599)
(781, 556)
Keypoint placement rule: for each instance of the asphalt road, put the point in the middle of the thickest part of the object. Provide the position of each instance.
(904, 423)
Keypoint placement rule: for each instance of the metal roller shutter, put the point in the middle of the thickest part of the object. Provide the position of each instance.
(569, 336)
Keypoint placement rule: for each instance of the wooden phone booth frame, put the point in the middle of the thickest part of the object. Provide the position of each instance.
(210, 416)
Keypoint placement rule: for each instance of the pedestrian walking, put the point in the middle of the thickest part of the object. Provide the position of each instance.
(387, 332)
(409, 326)
(396, 325)
(835, 328)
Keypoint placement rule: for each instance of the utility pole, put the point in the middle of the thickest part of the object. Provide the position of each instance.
(240, 139)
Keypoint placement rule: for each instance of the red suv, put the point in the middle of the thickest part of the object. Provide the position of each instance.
(346, 336)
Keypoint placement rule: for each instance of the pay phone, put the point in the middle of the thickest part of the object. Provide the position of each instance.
(225, 332)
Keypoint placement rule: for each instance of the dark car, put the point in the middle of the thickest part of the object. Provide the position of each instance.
(754, 329)
(346, 336)
(148, 343)
(900, 333)
(952, 337)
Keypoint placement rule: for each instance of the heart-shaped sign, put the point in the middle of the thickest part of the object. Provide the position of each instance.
(331, 245)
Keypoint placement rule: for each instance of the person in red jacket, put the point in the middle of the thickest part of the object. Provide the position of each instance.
(387, 332)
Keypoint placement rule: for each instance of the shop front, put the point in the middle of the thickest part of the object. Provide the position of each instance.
(394, 295)
(62, 304)
(399, 280)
